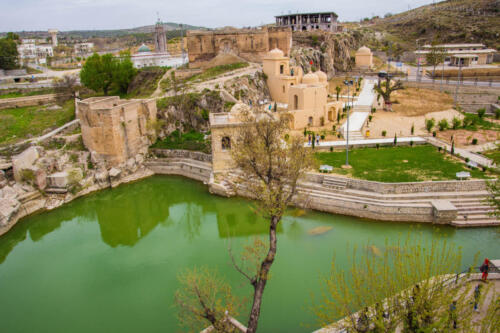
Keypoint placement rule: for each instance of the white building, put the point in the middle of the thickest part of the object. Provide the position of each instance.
(84, 48)
(32, 53)
(145, 58)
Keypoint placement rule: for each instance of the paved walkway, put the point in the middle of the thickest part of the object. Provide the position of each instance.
(479, 159)
(361, 110)
(369, 142)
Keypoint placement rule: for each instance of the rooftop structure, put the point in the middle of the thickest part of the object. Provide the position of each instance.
(326, 21)
(160, 38)
(461, 54)
(53, 35)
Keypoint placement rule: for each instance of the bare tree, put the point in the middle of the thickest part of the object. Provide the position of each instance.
(272, 168)
(385, 89)
(205, 297)
(67, 86)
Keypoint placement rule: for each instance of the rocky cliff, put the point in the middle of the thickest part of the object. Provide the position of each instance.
(327, 52)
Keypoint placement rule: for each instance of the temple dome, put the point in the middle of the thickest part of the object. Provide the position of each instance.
(364, 50)
(321, 76)
(240, 108)
(310, 78)
(276, 53)
(144, 48)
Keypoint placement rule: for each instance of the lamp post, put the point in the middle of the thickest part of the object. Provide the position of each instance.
(348, 83)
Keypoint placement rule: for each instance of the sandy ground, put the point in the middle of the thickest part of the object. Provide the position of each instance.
(463, 138)
(395, 123)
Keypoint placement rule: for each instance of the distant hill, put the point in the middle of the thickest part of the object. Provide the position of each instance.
(452, 21)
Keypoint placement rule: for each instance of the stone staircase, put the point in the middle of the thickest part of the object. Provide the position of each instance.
(355, 135)
(474, 211)
(334, 183)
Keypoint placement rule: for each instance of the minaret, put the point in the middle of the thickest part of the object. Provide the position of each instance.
(53, 34)
(160, 37)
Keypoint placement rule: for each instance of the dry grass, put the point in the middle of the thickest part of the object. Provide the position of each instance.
(418, 102)
(469, 72)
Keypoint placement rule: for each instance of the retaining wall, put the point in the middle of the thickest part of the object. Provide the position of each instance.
(7, 103)
(179, 153)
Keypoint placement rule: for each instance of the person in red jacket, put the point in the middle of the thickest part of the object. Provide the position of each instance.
(484, 269)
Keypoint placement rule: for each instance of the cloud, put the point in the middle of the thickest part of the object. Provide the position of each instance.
(21, 15)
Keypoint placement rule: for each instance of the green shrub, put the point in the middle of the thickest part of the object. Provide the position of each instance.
(384, 133)
(322, 121)
(456, 122)
(322, 137)
(467, 160)
(370, 117)
(411, 143)
(412, 129)
(28, 175)
(429, 124)
(474, 141)
(377, 145)
(497, 113)
(434, 134)
(481, 112)
(374, 110)
(331, 149)
(443, 125)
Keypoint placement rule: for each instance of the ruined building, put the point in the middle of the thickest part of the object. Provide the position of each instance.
(326, 21)
(249, 44)
(115, 130)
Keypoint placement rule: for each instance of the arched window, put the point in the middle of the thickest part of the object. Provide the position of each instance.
(295, 102)
(283, 89)
(310, 121)
(282, 69)
(226, 143)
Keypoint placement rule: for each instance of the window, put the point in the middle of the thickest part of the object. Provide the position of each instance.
(283, 89)
(310, 121)
(282, 69)
(226, 143)
(295, 102)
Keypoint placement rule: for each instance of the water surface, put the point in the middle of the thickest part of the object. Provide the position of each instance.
(109, 262)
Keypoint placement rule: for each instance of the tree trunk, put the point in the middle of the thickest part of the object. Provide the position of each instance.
(262, 276)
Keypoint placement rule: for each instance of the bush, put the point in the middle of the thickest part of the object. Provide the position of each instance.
(384, 133)
(370, 117)
(429, 124)
(374, 110)
(485, 169)
(434, 134)
(474, 141)
(456, 123)
(377, 145)
(322, 121)
(497, 114)
(467, 160)
(412, 129)
(334, 128)
(331, 149)
(411, 143)
(481, 112)
(443, 125)
(322, 137)
(440, 148)
(395, 139)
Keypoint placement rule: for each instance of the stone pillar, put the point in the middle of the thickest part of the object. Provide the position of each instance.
(53, 35)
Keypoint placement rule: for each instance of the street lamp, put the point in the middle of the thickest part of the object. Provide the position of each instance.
(348, 83)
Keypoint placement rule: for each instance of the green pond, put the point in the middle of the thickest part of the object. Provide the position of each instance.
(109, 262)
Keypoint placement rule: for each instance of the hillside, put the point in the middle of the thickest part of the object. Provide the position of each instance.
(451, 21)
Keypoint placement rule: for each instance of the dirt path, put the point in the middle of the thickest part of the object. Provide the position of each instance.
(210, 84)
(158, 92)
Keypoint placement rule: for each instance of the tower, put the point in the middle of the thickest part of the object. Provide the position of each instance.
(160, 37)
(53, 35)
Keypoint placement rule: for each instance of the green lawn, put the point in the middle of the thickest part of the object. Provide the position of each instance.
(217, 70)
(187, 141)
(16, 124)
(15, 94)
(494, 155)
(397, 164)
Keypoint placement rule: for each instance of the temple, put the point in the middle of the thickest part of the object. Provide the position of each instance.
(326, 21)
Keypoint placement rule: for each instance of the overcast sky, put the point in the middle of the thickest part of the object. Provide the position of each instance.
(18, 15)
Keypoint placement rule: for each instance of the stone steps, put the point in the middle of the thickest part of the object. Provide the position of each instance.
(334, 183)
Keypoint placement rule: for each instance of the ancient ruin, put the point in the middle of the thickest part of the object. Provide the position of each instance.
(326, 21)
(115, 130)
(304, 96)
(249, 44)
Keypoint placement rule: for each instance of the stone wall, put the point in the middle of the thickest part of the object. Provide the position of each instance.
(249, 44)
(115, 130)
(402, 188)
(7, 103)
(179, 153)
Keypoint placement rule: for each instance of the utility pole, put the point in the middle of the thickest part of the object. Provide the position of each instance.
(348, 84)
(458, 82)
(418, 60)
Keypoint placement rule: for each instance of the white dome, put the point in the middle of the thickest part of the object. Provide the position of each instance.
(276, 53)
(364, 50)
(321, 76)
(310, 78)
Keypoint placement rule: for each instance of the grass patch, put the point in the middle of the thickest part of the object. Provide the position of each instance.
(18, 93)
(417, 102)
(16, 124)
(397, 164)
(188, 141)
(145, 82)
(217, 70)
(493, 155)
(473, 122)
